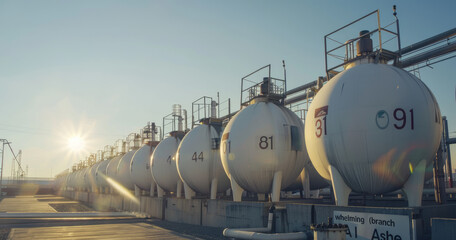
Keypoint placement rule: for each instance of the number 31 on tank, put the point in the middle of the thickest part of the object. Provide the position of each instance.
(320, 124)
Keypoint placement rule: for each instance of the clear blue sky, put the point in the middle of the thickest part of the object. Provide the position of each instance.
(105, 68)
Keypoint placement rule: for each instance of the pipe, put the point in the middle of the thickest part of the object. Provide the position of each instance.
(450, 47)
(447, 150)
(262, 232)
(428, 41)
(299, 98)
(303, 87)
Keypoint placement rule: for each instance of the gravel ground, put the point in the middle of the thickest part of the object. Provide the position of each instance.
(70, 207)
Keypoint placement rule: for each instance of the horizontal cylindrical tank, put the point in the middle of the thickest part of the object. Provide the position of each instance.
(92, 177)
(80, 178)
(71, 181)
(123, 170)
(262, 149)
(140, 171)
(100, 174)
(372, 129)
(315, 180)
(163, 164)
(111, 169)
(198, 161)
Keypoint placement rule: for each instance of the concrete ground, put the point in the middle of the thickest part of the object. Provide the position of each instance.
(16, 226)
(30, 204)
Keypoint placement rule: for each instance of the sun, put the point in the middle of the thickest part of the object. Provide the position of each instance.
(76, 144)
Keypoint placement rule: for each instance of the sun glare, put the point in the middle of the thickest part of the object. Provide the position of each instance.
(76, 144)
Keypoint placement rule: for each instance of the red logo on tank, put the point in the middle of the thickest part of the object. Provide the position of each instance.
(320, 112)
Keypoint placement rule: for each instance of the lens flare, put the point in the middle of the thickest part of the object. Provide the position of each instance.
(120, 189)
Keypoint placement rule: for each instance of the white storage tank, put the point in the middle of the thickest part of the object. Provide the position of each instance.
(111, 169)
(86, 178)
(262, 145)
(123, 168)
(140, 171)
(100, 174)
(310, 174)
(93, 186)
(141, 174)
(373, 128)
(163, 165)
(198, 160)
(72, 178)
(80, 179)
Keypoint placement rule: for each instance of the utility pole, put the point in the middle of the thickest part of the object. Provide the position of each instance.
(13, 170)
(20, 171)
(4, 141)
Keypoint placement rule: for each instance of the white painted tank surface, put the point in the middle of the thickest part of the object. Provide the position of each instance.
(262, 149)
(100, 174)
(61, 182)
(198, 161)
(72, 180)
(111, 169)
(80, 181)
(373, 129)
(76, 179)
(123, 170)
(86, 177)
(315, 180)
(140, 171)
(92, 177)
(163, 165)
(309, 173)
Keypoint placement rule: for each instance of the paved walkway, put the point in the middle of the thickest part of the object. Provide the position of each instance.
(29, 204)
(89, 227)
(100, 231)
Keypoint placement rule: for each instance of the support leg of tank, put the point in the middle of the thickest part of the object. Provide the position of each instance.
(341, 190)
(237, 190)
(189, 193)
(160, 192)
(214, 188)
(179, 189)
(276, 186)
(305, 181)
(152, 189)
(137, 192)
(413, 188)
